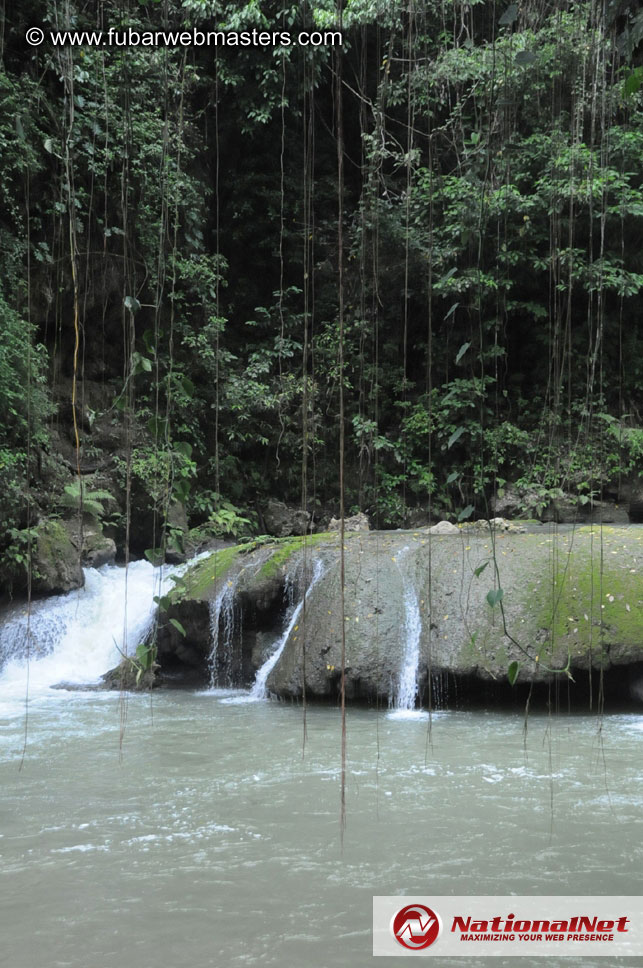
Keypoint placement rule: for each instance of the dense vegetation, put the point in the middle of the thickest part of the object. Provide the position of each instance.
(171, 301)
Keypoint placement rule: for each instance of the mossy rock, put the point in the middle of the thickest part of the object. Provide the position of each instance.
(202, 580)
(549, 581)
(129, 677)
(282, 551)
(594, 607)
(56, 561)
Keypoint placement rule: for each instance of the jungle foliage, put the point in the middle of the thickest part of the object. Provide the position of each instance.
(169, 247)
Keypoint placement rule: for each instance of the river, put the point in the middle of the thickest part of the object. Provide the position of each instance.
(210, 835)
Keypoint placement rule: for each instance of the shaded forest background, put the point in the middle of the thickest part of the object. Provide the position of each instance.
(170, 311)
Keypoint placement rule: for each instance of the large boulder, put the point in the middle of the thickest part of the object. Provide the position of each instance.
(55, 560)
(358, 522)
(443, 527)
(94, 547)
(283, 521)
(555, 506)
(516, 502)
(483, 604)
(98, 550)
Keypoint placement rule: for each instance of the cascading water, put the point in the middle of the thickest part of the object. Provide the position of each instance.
(440, 690)
(223, 625)
(77, 637)
(406, 695)
(259, 690)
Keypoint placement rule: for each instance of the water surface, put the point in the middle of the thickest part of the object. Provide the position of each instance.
(211, 839)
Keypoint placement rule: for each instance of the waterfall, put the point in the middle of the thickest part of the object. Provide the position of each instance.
(406, 695)
(440, 690)
(259, 690)
(76, 637)
(223, 626)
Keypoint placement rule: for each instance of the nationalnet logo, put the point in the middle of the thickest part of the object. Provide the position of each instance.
(416, 926)
(509, 925)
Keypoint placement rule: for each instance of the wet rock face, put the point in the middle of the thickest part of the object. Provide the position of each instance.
(185, 655)
(56, 561)
(469, 629)
(96, 549)
(482, 602)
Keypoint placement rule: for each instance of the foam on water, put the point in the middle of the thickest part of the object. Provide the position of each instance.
(75, 638)
(418, 715)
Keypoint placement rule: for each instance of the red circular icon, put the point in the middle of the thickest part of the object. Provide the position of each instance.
(416, 926)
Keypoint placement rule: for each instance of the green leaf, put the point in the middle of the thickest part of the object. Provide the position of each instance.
(181, 490)
(446, 278)
(451, 311)
(466, 513)
(188, 386)
(141, 364)
(154, 555)
(177, 625)
(148, 341)
(463, 349)
(452, 477)
(131, 303)
(509, 16)
(183, 447)
(455, 436)
(495, 596)
(633, 82)
(480, 569)
(525, 57)
(157, 426)
(512, 672)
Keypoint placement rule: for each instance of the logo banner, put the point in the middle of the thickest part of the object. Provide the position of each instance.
(430, 926)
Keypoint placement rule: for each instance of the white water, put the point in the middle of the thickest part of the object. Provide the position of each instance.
(407, 689)
(222, 613)
(75, 638)
(259, 690)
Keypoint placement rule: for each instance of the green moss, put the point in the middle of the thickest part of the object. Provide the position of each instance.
(55, 551)
(593, 602)
(286, 547)
(198, 579)
(53, 540)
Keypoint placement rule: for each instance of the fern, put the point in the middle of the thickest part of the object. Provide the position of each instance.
(76, 495)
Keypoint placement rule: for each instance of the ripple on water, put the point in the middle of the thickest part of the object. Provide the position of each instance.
(164, 849)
